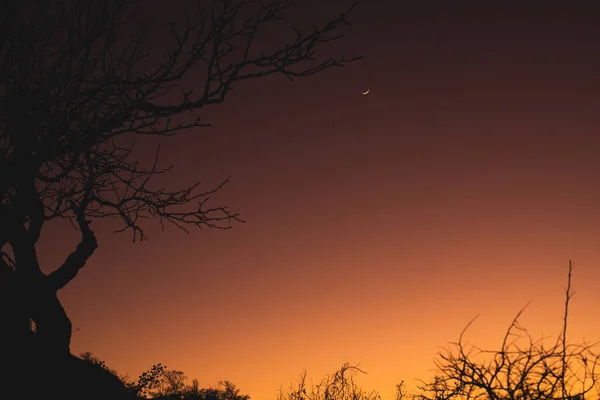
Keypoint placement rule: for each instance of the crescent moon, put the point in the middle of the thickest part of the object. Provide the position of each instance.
(367, 92)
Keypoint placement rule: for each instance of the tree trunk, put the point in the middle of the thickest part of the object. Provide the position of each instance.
(53, 327)
(43, 358)
(15, 335)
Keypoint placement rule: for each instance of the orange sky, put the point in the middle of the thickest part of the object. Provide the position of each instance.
(379, 225)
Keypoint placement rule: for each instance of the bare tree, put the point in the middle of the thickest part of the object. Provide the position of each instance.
(171, 384)
(339, 386)
(76, 89)
(517, 371)
(401, 391)
(192, 391)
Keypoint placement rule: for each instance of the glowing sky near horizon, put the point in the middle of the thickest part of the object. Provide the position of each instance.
(377, 226)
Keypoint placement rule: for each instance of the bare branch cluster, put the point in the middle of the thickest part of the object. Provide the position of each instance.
(339, 386)
(523, 368)
(75, 81)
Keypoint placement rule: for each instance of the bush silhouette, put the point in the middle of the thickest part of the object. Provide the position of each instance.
(337, 386)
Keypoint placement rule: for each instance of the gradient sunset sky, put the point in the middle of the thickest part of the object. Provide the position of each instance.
(377, 226)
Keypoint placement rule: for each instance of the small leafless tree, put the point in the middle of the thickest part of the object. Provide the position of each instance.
(77, 88)
(339, 386)
(401, 391)
(517, 371)
(171, 383)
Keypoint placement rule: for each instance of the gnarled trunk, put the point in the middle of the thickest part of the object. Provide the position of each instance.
(53, 327)
(46, 359)
(15, 335)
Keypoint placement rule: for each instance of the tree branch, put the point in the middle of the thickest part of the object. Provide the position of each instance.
(75, 84)
(77, 259)
(25, 253)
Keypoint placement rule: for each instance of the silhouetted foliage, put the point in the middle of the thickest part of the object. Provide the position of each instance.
(401, 391)
(170, 385)
(192, 391)
(516, 371)
(338, 386)
(225, 390)
(76, 89)
(146, 382)
(173, 383)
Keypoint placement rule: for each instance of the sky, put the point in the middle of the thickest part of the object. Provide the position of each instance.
(376, 226)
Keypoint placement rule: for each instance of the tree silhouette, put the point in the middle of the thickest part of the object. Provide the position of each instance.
(146, 382)
(530, 370)
(171, 384)
(340, 385)
(75, 89)
(225, 390)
